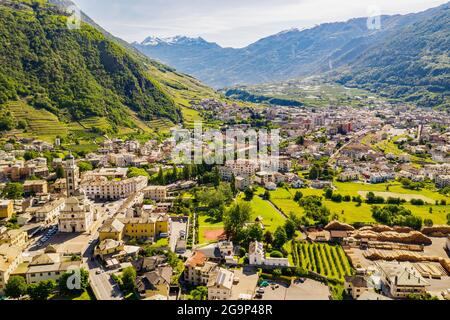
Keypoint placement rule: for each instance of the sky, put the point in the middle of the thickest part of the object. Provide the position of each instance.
(232, 23)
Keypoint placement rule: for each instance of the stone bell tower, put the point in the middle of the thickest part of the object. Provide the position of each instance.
(72, 173)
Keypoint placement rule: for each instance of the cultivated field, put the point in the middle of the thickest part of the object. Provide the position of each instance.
(326, 260)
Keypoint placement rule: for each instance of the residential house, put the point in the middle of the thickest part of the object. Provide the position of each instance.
(111, 229)
(356, 285)
(220, 285)
(198, 269)
(155, 283)
(49, 266)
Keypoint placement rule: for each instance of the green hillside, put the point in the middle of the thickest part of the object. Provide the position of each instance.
(81, 81)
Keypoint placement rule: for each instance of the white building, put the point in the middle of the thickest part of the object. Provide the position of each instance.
(100, 188)
(257, 257)
(49, 212)
(400, 279)
(220, 285)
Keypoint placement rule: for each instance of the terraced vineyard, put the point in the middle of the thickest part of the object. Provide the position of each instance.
(40, 123)
(328, 261)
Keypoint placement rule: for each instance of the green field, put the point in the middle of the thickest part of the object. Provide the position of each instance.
(272, 219)
(349, 212)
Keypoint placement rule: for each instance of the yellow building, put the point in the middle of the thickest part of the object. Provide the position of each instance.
(6, 209)
(16, 238)
(111, 229)
(146, 227)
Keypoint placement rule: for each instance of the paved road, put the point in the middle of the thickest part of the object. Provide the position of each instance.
(102, 284)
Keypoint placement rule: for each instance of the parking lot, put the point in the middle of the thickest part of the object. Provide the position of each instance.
(178, 228)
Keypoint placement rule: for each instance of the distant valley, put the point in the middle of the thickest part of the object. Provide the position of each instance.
(406, 59)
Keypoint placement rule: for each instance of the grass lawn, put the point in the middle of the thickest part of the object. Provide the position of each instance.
(85, 295)
(272, 219)
(205, 224)
(348, 211)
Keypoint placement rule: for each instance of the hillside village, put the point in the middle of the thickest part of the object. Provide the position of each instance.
(357, 208)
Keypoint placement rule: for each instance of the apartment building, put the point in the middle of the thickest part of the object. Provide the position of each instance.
(16, 238)
(147, 227)
(156, 193)
(35, 187)
(101, 188)
(198, 270)
(49, 213)
(401, 279)
(220, 285)
(10, 258)
(241, 167)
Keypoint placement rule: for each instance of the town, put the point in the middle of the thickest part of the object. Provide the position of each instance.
(356, 207)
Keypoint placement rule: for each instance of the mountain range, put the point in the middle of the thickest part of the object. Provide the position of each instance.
(406, 58)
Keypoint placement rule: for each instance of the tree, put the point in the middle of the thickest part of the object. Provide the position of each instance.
(268, 237)
(187, 172)
(161, 177)
(13, 191)
(300, 141)
(129, 279)
(249, 194)
(41, 290)
(277, 272)
(428, 222)
(280, 238)
(448, 219)
(74, 281)
(85, 166)
(298, 196)
(328, 194)
(290, 228)
(16, 287)
(59, 172)
(199, 293)
(235, 218)
(216, 177)
(233, 184)
(137, 172)
(30, 154)
(254, 233)
(314, 173)
(266, 195)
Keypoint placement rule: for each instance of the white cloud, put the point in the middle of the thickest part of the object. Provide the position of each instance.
(233, 22)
